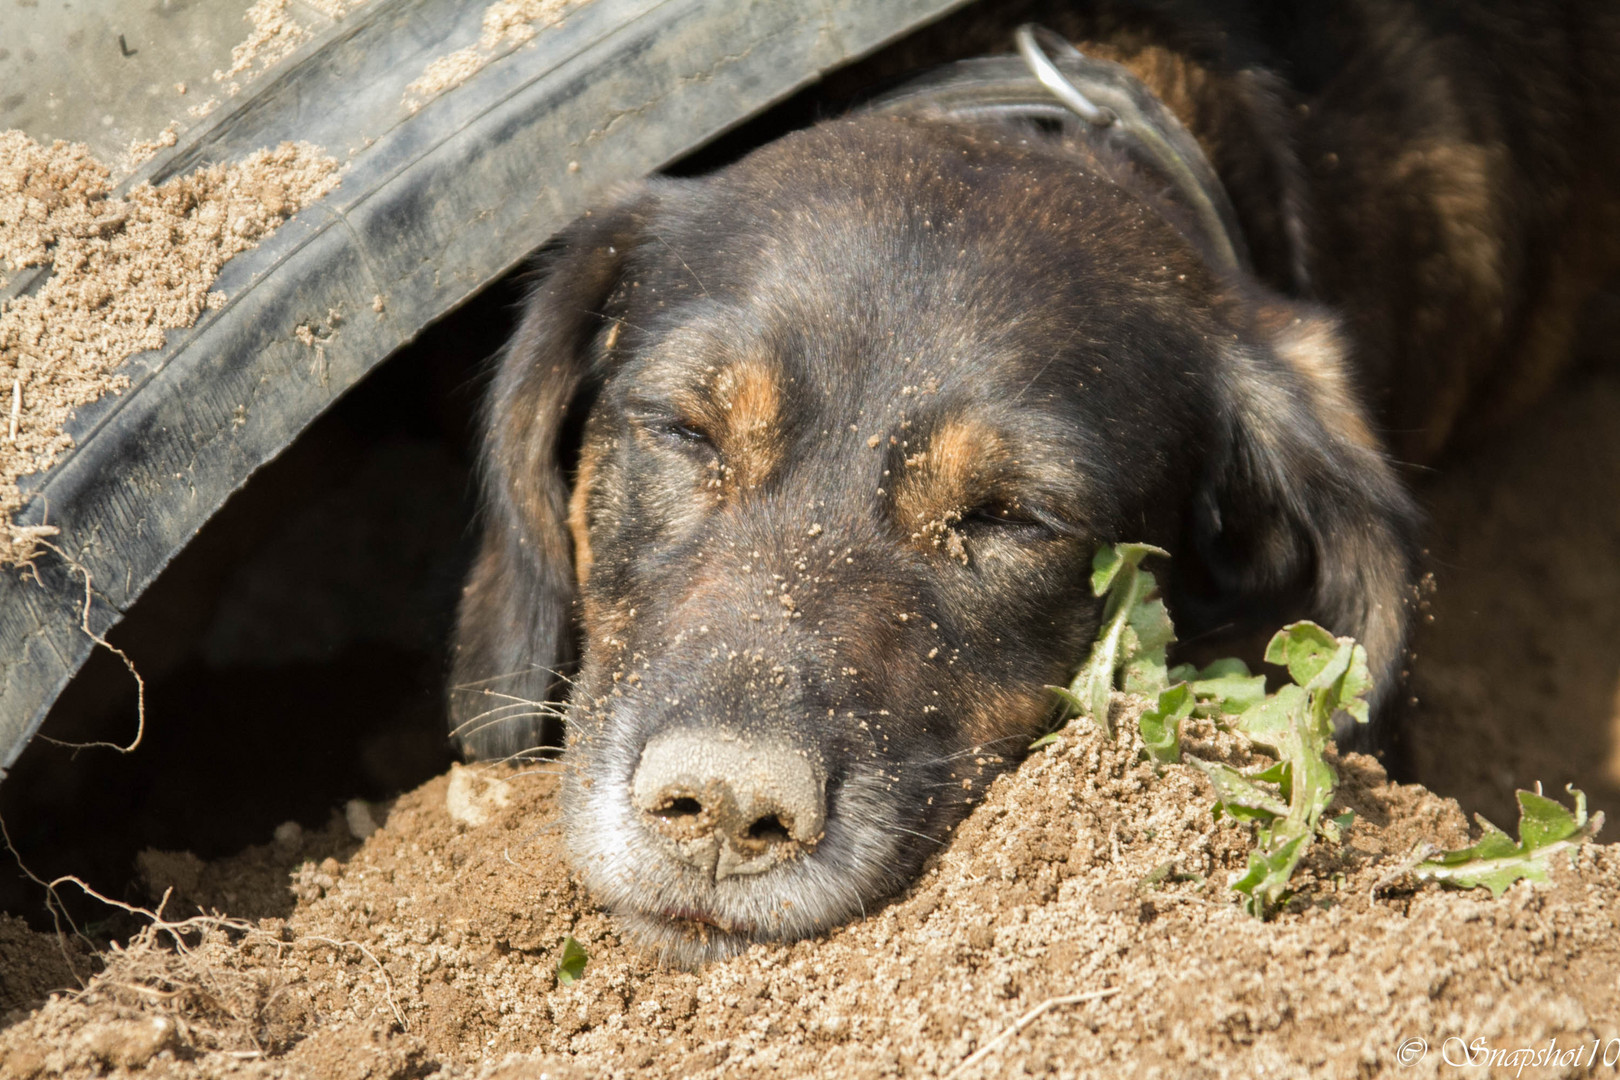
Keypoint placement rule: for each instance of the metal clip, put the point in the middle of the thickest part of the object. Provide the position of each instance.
(1033, 41)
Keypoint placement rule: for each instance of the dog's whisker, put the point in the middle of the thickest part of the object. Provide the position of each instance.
(901, 829)
(972, 751)
(531, 708)
(517, 699)
(619, 319)
(682, 261)
(485, 720)
(534, 754)
(473, 684)
(469, 727)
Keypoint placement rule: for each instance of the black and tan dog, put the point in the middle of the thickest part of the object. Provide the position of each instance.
(800, 466)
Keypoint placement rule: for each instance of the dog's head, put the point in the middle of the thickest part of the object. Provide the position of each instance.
(808, 460)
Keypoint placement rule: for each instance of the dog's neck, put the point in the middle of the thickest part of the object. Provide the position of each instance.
(1089, 102)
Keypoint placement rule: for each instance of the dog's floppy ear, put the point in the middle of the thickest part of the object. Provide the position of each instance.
(515, 624)
(1300, 504)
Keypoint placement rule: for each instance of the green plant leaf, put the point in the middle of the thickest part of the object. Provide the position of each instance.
(571, 966)
(1073, 706)
(1239, 796)
(1264, 885)
(1544, 821)
(1161, 725)
(1546, 827)
(1111, 559)
(1105, 566)
(1269, 723)
(1127, 636)
(1224, 688)
(1333, 669)
(1148, 633)
(1229, 695)
(1305, 649)
(1333, 829)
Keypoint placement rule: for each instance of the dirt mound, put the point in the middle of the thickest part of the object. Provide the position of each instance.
(433, 949)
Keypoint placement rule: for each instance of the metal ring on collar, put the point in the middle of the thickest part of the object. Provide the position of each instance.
(1033, 41)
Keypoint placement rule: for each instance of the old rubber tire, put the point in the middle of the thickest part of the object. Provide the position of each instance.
(434, 203)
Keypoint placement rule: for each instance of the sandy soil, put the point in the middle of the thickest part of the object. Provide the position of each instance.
(275, 35)
(431, 949)
(506, 24)
(123, 271)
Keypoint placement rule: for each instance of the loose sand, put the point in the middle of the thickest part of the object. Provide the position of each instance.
(275, 35)
(506, 25)
(122, 272)
(431, 948)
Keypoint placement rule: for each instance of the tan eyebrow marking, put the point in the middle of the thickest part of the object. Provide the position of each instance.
(742, 413)
(945, 480)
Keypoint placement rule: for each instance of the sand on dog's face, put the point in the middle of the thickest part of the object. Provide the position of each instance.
(1084, 870)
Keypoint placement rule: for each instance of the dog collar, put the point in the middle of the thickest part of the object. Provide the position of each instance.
(1053, 83)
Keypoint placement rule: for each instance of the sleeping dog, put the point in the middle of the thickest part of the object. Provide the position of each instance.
(799, 468)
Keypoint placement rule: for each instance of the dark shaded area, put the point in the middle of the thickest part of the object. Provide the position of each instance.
(1516, 669)
(293, 654)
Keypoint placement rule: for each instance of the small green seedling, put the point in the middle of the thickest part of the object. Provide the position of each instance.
(1161, 725)
(1294, 725)
(1133, 637)
(1285, 801)
(1546, 827)
(1129, 655)
(1337, 827)
(571, 967)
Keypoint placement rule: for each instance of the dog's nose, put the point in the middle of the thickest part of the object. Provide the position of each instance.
(729, 806)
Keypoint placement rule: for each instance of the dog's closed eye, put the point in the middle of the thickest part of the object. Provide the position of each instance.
(729, 413)
(672, 428)
(1012, 518)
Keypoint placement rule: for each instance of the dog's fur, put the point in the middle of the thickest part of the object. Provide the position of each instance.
(822, 444)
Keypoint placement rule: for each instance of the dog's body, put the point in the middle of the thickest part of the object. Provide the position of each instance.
(857, 410)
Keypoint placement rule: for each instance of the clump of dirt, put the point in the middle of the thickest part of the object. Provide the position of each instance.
(433, 949)
(275, 34)
(506, 25)
(34, 964)
(123, 270)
